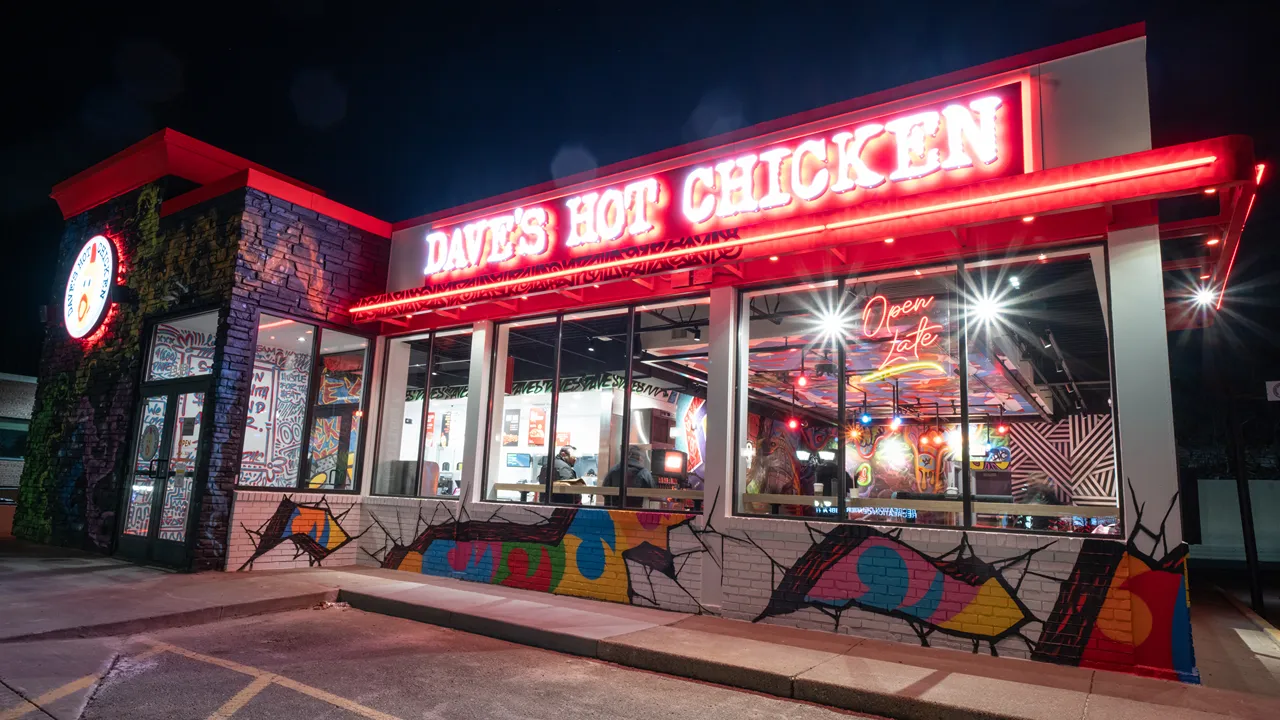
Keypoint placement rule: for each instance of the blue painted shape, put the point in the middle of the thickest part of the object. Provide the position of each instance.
(925, 607)
(1184, 656)
(595, 529)
(884, 572)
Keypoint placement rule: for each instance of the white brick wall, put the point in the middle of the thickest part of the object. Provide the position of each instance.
(253, 509)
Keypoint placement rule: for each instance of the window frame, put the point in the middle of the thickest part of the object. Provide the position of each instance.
(304, 459)
(429, 335)
(632, 311)
(960, 268)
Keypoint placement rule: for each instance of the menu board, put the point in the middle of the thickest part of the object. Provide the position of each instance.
(511, 428)
(537, 427)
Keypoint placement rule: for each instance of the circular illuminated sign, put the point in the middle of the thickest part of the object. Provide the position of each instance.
(89, 287)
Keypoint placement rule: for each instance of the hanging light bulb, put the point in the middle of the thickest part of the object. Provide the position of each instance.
(793, 424)
(802, 381)
(865, 418)
(895, 423)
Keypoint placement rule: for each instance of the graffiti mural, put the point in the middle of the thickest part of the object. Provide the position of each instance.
(957, 593)
(313, 528)
(1111, 582)
(605, 555)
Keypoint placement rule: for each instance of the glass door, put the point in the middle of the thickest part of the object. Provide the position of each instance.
(167, 453)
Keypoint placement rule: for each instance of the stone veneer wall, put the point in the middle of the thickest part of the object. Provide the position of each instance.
(235, 253)
(72, 482)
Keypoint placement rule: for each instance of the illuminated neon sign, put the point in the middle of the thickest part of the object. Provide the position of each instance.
(955, 142)
(878, 317)
(87, 297)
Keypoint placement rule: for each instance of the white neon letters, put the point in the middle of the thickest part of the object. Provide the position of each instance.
(706, 207)
(949, 143)
(520, 233)
(981, 135)
(849, 148)
(910, 133)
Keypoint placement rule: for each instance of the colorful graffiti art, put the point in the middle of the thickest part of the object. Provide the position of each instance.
(606, 555)
(313, 528)
(1111, 581)
(857, 566)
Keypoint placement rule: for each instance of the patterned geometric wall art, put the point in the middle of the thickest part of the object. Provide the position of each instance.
(1076, 456)
(600, 554)
(313, 528)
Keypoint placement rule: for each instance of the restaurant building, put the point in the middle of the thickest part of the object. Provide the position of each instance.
(894, 368)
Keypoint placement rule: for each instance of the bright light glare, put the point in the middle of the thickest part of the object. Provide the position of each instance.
(826, 455)
(1015, 282)
(1204, 297)
(987, 308)
(894, 453)
(895, 423)
(802, 455)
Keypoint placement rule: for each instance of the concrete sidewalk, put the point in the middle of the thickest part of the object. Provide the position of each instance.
(865, 675)
(50, 593)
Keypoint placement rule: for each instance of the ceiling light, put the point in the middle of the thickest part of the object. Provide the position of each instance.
(986, 308)
(1015, 282)
(1206, 276)
(1204, 297)
(826, 455)
(793, 424)
(596, 285)
(1042, 257)
(273, 337)
(802, 381)
(865, 418)
(1212, 241)
(895, 423)
(773, 258)
(1210, 191)
(302, 339)
(1028, 218)
(889, 240)
(591, 348)
(917, 273)
(802, 455)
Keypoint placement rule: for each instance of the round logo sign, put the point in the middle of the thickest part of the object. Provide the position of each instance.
(89, 287)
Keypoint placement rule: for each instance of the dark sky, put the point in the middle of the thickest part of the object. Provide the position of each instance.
(402, 112)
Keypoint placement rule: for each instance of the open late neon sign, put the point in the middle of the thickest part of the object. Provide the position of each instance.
(959, 141)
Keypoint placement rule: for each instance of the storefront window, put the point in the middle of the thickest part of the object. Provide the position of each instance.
(558, 427)
(902, 443)
(336, 412)
(1041, 432)
(183, 347)
(894, 348)
(424, 413)
(273, 431)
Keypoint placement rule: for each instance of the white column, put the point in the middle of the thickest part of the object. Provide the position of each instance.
(1143, 404)
(478, 385)
(722, 359)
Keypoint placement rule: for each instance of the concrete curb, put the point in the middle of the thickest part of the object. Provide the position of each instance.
(477, 624)
(185, 618)
(674, 664)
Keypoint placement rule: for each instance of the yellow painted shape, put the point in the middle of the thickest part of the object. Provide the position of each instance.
(610, 586)
(412, 562)
(991, 612)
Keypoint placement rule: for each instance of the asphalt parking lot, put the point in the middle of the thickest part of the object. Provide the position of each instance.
(343, 663)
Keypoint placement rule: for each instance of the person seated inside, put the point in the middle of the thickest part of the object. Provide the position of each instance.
(564, 473)
(636, 475)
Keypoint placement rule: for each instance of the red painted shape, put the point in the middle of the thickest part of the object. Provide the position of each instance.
(862, 103)
(519, 576)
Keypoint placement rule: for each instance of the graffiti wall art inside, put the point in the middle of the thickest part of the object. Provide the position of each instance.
(606, 555)
(313, 528)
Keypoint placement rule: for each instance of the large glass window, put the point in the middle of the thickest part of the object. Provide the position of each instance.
(976, 396)
(1041, 431)
(424, 413)
(183, 347)
(274, 428)
(336, 412)
(569, 389)
(306, 407)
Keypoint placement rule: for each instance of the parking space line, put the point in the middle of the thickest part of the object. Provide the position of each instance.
(56, 694)
(335, 700)
(243, 697)
(264, 678)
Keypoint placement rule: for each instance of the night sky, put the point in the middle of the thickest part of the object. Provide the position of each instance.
(406, 112)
